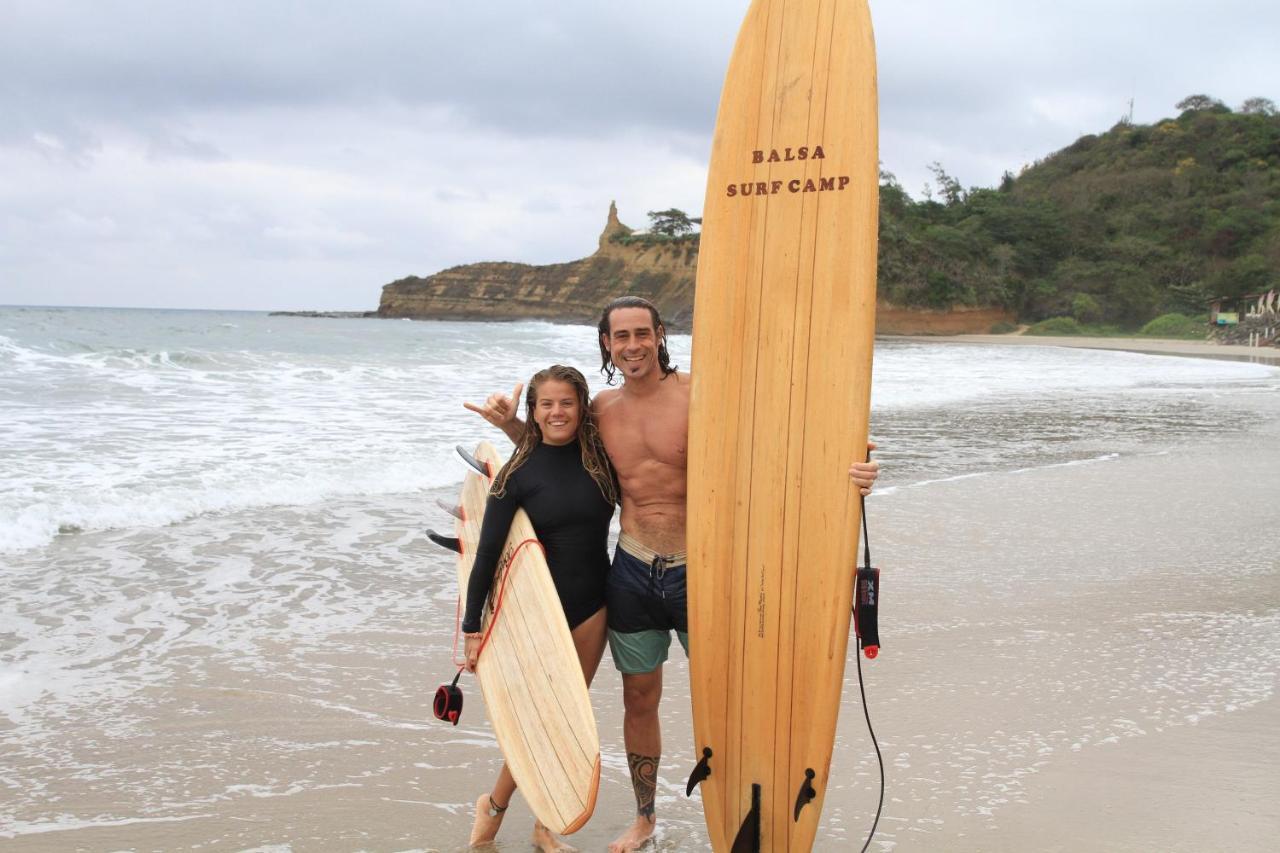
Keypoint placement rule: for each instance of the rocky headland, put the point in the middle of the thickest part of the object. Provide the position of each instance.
(661, 270)
(328, 315)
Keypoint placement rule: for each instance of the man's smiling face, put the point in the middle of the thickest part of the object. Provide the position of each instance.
(633, 341)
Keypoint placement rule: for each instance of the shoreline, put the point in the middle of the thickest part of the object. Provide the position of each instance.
(1144, 346)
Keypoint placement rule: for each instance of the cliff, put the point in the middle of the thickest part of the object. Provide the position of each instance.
(897, 320)
(661, 271)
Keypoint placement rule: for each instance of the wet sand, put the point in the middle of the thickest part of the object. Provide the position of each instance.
(1082, 657)
(1104, 675)
(1209, 787)
(1151, 346)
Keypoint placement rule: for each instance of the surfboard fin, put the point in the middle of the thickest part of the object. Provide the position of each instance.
(445, 541)
(748, 838)
(807, 793)
(700, 772)
(452, 509)
(480, 467)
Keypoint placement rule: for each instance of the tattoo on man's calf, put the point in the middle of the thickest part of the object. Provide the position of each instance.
(644, 779)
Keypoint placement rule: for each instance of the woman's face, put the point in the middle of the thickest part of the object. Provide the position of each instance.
(556, 411)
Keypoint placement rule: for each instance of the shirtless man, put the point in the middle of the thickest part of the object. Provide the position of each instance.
(645, 427)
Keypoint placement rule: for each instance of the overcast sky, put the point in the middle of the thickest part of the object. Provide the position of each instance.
(265, 155)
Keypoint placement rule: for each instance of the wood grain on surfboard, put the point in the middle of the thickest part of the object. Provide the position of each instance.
(528, 670)
(784, 322)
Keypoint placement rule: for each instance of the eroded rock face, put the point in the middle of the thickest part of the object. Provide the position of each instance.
(572, 292)
(893, 320)
(662, 272)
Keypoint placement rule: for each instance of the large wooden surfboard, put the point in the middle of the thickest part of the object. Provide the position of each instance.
(782, 342)
(528, 669)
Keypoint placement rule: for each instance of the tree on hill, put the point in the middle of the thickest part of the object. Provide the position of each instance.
(1259, 107)
(948, 187)
(1199, 103)
(671, 223)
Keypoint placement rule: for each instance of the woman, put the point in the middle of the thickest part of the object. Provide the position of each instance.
(560, 475)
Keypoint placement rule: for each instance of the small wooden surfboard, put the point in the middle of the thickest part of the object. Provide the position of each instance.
(528, 669)
(784, 321)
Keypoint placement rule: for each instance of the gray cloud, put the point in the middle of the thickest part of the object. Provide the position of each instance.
(272, 154)
(563, 67)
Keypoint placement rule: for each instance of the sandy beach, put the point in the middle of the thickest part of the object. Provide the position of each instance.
(1080, 601)
(1076, 656)
(1151, 346)
(1042, 686)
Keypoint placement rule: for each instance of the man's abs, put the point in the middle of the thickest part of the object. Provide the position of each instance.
(653, 504)
(659, 527)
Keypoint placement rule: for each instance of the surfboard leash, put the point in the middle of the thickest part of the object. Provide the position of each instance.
(447, 704)
(502, 589)
(866, 600)
(457, 632)
(448, 701)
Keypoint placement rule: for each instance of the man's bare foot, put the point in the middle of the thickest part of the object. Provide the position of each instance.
(486, 827)
(635, 837)
(546, 842)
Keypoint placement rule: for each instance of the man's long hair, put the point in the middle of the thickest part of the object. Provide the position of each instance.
(606, 360)
(594, 458)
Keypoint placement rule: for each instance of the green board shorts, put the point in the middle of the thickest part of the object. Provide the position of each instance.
(641, 652)
(646, 602)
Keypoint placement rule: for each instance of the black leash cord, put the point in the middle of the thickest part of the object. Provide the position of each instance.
(866, 541)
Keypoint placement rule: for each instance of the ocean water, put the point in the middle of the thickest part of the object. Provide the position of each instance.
(201, 508)
(120, 419)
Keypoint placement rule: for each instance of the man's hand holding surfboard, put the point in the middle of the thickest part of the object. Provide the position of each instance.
(864, 473)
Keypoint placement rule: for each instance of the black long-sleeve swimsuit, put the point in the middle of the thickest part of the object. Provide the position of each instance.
(571, 518)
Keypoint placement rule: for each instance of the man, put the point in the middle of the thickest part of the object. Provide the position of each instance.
(645, 427)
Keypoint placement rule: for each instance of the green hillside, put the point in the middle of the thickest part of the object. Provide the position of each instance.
(1116, 229)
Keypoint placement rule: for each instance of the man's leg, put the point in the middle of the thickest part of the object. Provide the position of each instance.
(638, 640)
(641, 693)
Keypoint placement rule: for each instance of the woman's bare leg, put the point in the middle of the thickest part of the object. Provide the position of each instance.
(487, 824)
(589, 639)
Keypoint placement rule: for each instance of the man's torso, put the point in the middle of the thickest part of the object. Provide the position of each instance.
(647, 439)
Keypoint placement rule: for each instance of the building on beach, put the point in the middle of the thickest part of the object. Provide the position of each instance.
(1252, 319)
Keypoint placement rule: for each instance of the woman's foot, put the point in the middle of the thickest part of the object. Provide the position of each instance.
(546, 842)
(488, 820)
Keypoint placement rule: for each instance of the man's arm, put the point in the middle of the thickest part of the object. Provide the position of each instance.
(500, 410)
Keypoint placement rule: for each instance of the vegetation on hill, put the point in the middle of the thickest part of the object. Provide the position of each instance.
(1116, 229)
(665, 226)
